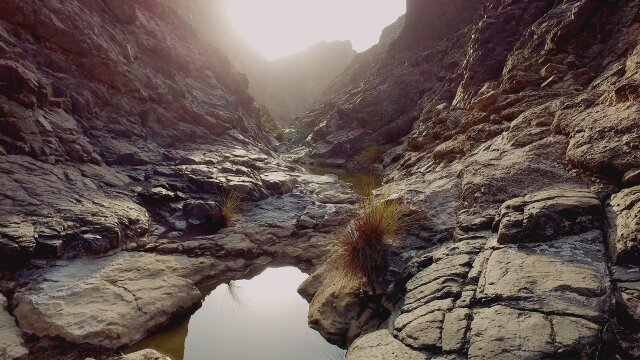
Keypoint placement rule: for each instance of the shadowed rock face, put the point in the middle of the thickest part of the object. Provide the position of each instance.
(92, 86)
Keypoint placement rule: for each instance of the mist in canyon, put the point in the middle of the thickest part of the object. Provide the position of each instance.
(459, 180)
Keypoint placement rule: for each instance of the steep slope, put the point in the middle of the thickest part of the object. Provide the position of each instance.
(371, 102)
(123, 135)
(91, 86)
(515, 137)
(287, 87)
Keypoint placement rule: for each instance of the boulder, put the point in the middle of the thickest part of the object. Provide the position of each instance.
(338, 306)
(199, 213)
(546, 215)
(483, 102)
(278, 182)
(112, 301)
(568, 276)
(500, 332)
(431, 318)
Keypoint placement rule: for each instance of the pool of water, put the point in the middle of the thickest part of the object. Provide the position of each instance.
(261, 318)
(361, 180)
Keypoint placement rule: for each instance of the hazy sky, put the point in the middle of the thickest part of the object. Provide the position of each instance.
(282, 27)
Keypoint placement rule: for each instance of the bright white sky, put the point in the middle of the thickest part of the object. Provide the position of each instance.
(278, 28)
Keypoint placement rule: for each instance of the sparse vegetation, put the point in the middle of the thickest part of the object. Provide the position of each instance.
(370, 154)
(280, 135)
(268, 122)
(300, 133)
(363, 248)
(230, 204)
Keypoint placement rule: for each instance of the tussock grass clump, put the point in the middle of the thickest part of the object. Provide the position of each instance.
(230, 205)
(362, 250)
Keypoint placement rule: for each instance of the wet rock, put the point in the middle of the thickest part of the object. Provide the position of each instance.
(549, 214)
(381, 345)
(112, 301)
(624, 230)
(11, 344)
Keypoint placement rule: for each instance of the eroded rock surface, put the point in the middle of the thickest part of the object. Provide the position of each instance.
(111, 301)
(524, 110)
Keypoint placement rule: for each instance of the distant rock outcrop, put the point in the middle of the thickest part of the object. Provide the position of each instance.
(288, 87)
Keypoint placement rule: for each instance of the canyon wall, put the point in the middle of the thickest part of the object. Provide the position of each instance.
(511, 128)
(89, 89)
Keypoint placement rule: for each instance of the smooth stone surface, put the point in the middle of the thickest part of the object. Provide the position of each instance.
(111, 301)
(500, 332)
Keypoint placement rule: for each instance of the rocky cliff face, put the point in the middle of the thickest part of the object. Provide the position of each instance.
(512, 127)
(91, 86)
(122, 133)
(287, 87)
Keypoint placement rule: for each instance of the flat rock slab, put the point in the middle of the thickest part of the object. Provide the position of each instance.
(112, 301)
(504, 333)
(11, 344)
(546, 215)
(381, 345)
(568, 276)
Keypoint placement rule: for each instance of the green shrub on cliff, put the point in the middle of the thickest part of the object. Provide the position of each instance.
(268, 122)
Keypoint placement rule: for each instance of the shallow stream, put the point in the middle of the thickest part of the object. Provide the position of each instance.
(260, 318)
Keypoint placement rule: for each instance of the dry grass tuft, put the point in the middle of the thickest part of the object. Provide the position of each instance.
(230, 203)
(362, 250)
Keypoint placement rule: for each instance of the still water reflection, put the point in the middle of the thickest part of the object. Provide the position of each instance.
(261, 318)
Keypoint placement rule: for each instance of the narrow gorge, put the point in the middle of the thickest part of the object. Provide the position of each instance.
(139, 181)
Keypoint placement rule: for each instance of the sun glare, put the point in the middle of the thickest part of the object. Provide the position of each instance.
(278, 28)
